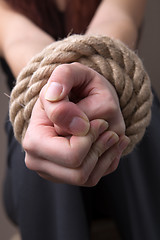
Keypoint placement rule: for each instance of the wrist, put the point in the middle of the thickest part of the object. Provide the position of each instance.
(115, 21)
(122, 29)
(18, 52)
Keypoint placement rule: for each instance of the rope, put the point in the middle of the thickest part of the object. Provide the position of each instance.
(111, 58)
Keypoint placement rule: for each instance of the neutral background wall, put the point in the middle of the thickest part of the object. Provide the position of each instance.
(149, 51)
(149, 48)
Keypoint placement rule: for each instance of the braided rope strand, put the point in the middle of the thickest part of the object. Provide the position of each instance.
(111, 58)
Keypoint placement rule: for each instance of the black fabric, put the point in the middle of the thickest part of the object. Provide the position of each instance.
(9, 75)
(134, 187)
(41, 209)
(130, 195)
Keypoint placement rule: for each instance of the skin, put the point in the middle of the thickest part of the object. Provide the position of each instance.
(91, 134)
(91, 151)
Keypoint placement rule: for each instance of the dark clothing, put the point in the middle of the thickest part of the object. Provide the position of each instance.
(130, 195)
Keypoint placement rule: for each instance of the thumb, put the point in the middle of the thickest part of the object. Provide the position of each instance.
(66, 116)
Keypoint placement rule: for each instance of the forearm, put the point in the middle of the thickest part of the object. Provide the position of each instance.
(120, 19)
(20, 38)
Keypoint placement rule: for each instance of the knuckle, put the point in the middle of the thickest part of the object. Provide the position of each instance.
(53, 113)
(30, 164)
(80, 178)
(113, 167)
(77, 64)
(93, 136)
(96, 152)
(113, 107)
(122, 127)
(94, 130)
(73, 160)
(98, 149)
(30, 142)
(65, 68)
(115, 162)
(92, 182)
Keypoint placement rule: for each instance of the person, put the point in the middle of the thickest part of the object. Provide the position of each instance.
(60, 208)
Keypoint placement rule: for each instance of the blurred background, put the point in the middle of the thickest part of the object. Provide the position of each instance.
(149, 51)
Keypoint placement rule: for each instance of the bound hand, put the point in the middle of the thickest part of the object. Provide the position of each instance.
(66, 140)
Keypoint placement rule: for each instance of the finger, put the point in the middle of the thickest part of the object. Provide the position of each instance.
(108, 162)
(76, 176)
(97, 97)
(64, 78)
(68, 152)
(113, 166)
(66, 116)
(48, 177)
(105, 108)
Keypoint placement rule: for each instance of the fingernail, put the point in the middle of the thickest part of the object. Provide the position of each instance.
(112, 140)
(53, 91)
(123, 143)
(79, 126)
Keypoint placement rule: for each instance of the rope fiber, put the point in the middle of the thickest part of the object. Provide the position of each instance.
(111, 58)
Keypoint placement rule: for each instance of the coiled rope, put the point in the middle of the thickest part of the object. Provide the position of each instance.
(111, 58)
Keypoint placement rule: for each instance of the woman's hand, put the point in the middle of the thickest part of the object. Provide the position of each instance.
(76, 132)
(75, 90)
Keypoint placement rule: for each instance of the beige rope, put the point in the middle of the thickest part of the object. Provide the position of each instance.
(116, 62)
